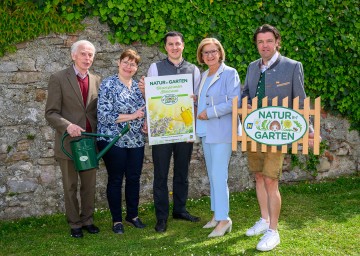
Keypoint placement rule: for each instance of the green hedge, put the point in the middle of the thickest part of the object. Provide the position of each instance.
(322, 34)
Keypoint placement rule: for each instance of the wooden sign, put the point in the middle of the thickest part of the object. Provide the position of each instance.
(275, 126)
(264, 117)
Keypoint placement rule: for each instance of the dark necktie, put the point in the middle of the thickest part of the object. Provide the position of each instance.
(260, 93)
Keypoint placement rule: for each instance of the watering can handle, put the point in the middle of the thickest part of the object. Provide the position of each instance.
(62, 145)
(97, 135)
(124, 130)
(83, 133)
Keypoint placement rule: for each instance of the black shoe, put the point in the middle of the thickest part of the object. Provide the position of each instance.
(118, 228)
(92, 229)
(160, 226)
(137, 223)
(186, 216)
(76, 232)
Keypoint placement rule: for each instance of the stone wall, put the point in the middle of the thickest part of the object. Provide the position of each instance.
(30, 179)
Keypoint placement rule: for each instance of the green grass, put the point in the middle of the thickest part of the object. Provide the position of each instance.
(316, 219)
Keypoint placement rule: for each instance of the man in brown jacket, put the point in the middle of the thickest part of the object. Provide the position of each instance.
(71, 106)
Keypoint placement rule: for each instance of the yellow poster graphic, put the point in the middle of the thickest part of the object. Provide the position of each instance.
(170, 109)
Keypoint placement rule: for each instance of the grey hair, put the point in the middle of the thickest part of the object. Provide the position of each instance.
(76, 45)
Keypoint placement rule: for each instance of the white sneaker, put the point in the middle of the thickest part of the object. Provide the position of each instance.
(260, 227)
(269, 241)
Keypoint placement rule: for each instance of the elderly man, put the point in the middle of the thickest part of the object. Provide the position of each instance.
(71, 107)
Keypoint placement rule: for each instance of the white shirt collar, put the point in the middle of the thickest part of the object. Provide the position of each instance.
(271, 61)
(77, 72)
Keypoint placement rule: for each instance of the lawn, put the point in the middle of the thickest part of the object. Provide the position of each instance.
(316, 219)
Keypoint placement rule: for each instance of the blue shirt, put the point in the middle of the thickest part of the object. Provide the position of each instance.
(114, 99)
(201, 124)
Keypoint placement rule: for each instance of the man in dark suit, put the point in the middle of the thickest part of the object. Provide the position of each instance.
(181, 151)
(71, 106)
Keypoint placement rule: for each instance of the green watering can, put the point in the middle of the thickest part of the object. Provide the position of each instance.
(84, 149)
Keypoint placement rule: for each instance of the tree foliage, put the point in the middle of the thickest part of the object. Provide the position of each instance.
(22, 20)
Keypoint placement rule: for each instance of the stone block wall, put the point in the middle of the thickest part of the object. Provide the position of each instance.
(30, 179)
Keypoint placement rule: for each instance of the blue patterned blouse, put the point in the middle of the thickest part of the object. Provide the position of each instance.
(114, 99)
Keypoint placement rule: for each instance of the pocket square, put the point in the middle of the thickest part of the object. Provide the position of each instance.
(282, 84)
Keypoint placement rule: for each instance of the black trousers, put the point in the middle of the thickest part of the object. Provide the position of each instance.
(120, 163)
(161, 158)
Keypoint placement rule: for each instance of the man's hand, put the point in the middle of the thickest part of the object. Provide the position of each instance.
(144, 128)
(311, 139)
(194, 97)
(74, 130)
(142, 85)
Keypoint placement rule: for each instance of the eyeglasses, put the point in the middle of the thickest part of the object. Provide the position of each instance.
(131, 64)
(212, 52)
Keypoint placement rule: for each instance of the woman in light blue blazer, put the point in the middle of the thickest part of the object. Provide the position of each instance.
(219, 85)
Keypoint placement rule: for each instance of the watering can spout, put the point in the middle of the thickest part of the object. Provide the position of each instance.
(106, 149)
(84, 149)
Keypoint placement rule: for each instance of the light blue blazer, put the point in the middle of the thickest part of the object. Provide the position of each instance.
(222, 89)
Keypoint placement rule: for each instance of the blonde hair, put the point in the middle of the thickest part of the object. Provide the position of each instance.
(207, 41)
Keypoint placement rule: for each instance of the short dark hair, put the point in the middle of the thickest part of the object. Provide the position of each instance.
(173, 33)
(268, 28)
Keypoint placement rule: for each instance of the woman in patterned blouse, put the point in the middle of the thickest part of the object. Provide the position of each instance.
(120, 101)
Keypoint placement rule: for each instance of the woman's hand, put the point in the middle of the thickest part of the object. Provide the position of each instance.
(138, 114)
(203, 115)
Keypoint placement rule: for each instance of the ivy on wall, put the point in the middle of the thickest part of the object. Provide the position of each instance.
(322, 34)
(22, 20)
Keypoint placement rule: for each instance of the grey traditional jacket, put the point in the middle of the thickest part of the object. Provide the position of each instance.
(284, 78)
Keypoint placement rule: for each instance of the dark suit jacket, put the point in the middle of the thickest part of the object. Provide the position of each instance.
(65, 105)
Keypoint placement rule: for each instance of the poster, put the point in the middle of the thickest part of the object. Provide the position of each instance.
(170, 108)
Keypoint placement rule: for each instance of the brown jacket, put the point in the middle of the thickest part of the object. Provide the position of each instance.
(65, 105)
